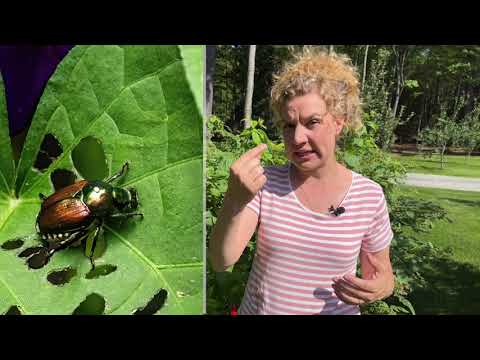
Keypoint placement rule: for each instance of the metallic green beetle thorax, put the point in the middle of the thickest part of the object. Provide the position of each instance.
(122, 198)
(97, 195)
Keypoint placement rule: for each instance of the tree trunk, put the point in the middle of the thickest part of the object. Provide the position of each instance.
(400, 56)
(437, 94)
(210, 52)
(249, 95)
(441, 156)
(421, 116)
(365, 65)
(457, 95)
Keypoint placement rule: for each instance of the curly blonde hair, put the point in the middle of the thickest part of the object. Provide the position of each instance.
(332, 76)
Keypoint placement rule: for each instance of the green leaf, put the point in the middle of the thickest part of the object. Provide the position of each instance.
(411, 84)
(142, 104)
(6, 156)
(358, 142)
(256, 138)
(352, 160)
(407, 303)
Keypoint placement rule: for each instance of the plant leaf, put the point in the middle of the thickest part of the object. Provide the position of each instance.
(352, 160)
(142, 103)
(6, 156)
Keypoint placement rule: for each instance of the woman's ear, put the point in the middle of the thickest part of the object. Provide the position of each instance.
(339, 124)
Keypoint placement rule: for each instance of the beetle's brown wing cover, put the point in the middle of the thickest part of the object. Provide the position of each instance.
(65, 193)
(64, 215)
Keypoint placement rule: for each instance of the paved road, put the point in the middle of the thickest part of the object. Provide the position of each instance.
(443, 182)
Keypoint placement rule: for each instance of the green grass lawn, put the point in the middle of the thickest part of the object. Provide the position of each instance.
(455, 282)
(454, 166)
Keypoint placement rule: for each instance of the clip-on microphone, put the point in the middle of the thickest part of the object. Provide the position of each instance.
(338, 211)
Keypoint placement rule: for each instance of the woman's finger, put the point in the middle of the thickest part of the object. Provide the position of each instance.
(342, 295)
(260, 181)
(253, 153)
(256, 171)
(362, 284)
(251, 164)
(345, 288)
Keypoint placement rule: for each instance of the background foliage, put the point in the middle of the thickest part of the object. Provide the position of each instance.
(393, 111)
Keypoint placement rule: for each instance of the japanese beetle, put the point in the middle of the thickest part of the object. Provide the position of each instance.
(76, 213)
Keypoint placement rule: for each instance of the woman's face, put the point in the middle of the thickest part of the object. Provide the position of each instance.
(310, 132)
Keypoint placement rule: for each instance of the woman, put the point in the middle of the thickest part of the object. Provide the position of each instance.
(315, 217)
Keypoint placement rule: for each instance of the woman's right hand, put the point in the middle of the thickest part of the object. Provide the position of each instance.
(246, 177)
(235, 223)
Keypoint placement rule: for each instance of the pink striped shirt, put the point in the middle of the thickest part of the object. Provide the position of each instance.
(299, 251)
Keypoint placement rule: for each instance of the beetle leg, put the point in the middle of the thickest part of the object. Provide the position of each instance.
(97, 231)
(117, 175)
(125, 215)
(41, 258)
(41, 196)
(70, 238)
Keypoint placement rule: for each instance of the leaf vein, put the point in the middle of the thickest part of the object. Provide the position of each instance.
(7, 186)
(148, 262)
(171, 165)
(60, 106)
(128, 297)
(93, 122)
(180, 266)
(11, 209)
(19, 303)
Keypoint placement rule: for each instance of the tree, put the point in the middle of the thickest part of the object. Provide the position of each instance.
(250, 81)
(365, 65)
(229, 84)
(210, 72)
(400, 53)
(469, 137)
(416, 79)
(443, 74)
(377, 99)
(445, 132)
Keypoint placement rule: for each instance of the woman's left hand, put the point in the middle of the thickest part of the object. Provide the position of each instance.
(356, 291)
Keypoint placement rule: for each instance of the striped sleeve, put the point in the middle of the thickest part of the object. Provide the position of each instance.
(255, 203)
(379, 234)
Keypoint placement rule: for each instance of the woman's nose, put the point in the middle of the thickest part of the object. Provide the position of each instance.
(299, 137)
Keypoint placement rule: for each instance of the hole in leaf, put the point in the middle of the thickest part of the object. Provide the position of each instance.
(154, 304)
(14, 310)
(12, 244)
(51, 146)
(30, 251)
(93, 304)
(61, 277)
(40, 259)
(42, 162)
(89, 159)
(101, 270)
(62, 178)
(50, 149)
